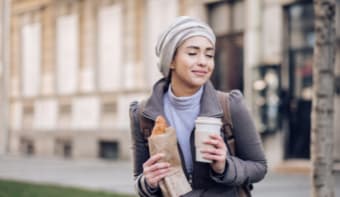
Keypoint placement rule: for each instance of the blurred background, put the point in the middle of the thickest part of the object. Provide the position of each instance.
(70, 68)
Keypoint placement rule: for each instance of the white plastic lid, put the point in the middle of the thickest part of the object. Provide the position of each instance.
(208, 120)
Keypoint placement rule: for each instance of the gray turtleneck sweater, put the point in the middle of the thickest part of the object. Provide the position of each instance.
(181, 112)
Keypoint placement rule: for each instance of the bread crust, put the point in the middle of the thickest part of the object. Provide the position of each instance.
(160, 126)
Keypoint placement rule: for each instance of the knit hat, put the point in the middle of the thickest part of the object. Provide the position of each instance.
(181, 29)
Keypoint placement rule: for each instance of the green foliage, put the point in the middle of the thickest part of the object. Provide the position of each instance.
(22, 189)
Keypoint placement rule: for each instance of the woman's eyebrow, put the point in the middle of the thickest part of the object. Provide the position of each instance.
(193, 47)
(197, 48)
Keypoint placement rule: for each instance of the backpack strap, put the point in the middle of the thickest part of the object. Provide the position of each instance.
(145, 124)
(227, 127)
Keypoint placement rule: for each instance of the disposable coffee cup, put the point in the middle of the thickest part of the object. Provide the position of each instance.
(205, 126)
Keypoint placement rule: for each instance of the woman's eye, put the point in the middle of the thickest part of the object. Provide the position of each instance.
(191, 54)
(210, 56)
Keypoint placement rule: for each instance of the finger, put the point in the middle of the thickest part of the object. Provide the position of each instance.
(160, 172)
(213, 151)
(214, 157)
(217, 141)
(158, 166)
(151, 181)
(153, 159)
(216, 137)
(218, 144)
(211, 142)
(158, 178)
(214, 154)
(154, 177)
(156, 173)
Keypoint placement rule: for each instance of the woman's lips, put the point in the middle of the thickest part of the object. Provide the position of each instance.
(200, 72)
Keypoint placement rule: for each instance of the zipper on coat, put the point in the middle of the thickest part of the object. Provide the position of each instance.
(190, 179)
(193, 157)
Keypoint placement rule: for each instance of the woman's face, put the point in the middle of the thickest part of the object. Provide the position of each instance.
(193, 63)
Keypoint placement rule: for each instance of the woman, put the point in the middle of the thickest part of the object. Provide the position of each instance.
(186, 60)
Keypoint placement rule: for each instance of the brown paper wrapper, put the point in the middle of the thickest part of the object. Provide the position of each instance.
(175, 184)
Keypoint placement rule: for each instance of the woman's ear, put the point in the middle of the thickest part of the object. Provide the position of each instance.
(172, 65)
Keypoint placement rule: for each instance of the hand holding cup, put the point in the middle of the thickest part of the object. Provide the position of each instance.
(217, 152)
(204, 128)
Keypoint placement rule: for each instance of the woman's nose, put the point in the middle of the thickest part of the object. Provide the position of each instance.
(202, 60)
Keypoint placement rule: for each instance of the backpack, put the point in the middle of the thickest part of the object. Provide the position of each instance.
(146, 126)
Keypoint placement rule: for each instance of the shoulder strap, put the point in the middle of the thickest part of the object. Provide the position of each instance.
(227, 123)
(145, 124)
(227, 128)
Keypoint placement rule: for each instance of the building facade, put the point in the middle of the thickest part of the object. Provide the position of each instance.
(4, 67)
(77, 64)
(75, 67)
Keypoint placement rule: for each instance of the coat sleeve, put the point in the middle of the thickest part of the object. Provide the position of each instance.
(140, 153)
(249, 165)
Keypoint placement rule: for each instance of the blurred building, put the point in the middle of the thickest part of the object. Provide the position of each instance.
(4, 65)
(75, 67)
(77, 64)
(1, 74)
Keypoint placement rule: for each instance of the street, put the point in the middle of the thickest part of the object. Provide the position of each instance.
(292, 185)
(116, 176)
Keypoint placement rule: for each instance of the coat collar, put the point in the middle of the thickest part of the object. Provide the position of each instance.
(210, 105)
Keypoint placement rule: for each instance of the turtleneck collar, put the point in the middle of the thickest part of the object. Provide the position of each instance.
(185, 102)
(209, 102)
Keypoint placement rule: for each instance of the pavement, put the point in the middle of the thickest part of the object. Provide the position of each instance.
(288, 184)
(116, 176)
(113, 176)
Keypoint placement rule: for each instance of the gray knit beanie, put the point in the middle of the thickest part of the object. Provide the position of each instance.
(183, 28)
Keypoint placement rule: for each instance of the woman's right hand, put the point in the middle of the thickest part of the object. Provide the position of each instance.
(154, 170)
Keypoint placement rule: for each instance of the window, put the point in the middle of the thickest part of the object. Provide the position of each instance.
(301, 43)
(301, 25)
(31, 58)
(64, 119)
(110, 47)
(16, 115)
(85, 113)
(63, 147)
(27, 146)
(108, 149)
(67, 54)
(159, 14)
(28, 112)
(45, 116)
(110, 107)
(109, 114)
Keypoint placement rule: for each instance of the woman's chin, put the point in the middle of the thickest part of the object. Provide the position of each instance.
(198, 81)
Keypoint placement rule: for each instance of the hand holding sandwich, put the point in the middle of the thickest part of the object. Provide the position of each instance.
(155, 169)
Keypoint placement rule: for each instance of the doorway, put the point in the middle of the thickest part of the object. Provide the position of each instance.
(228, 22)
(228, 73)
(300, 59)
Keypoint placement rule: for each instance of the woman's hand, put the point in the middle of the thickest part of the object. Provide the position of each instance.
(217, 152)
(154, 170)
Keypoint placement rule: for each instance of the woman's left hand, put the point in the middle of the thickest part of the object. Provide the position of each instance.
(217, 152)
